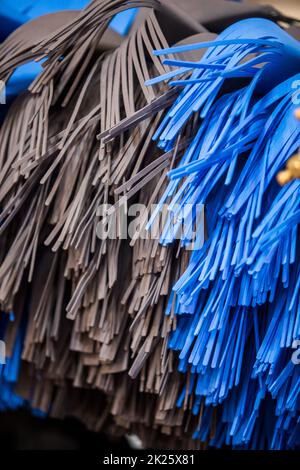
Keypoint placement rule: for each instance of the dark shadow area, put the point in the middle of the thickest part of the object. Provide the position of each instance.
(19, 430)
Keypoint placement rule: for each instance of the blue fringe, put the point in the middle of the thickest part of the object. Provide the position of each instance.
(238, 301)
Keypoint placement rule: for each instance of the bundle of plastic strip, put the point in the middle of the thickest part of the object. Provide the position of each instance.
(237, 303)
(13, 15)
(95, 340)
(90, 326)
